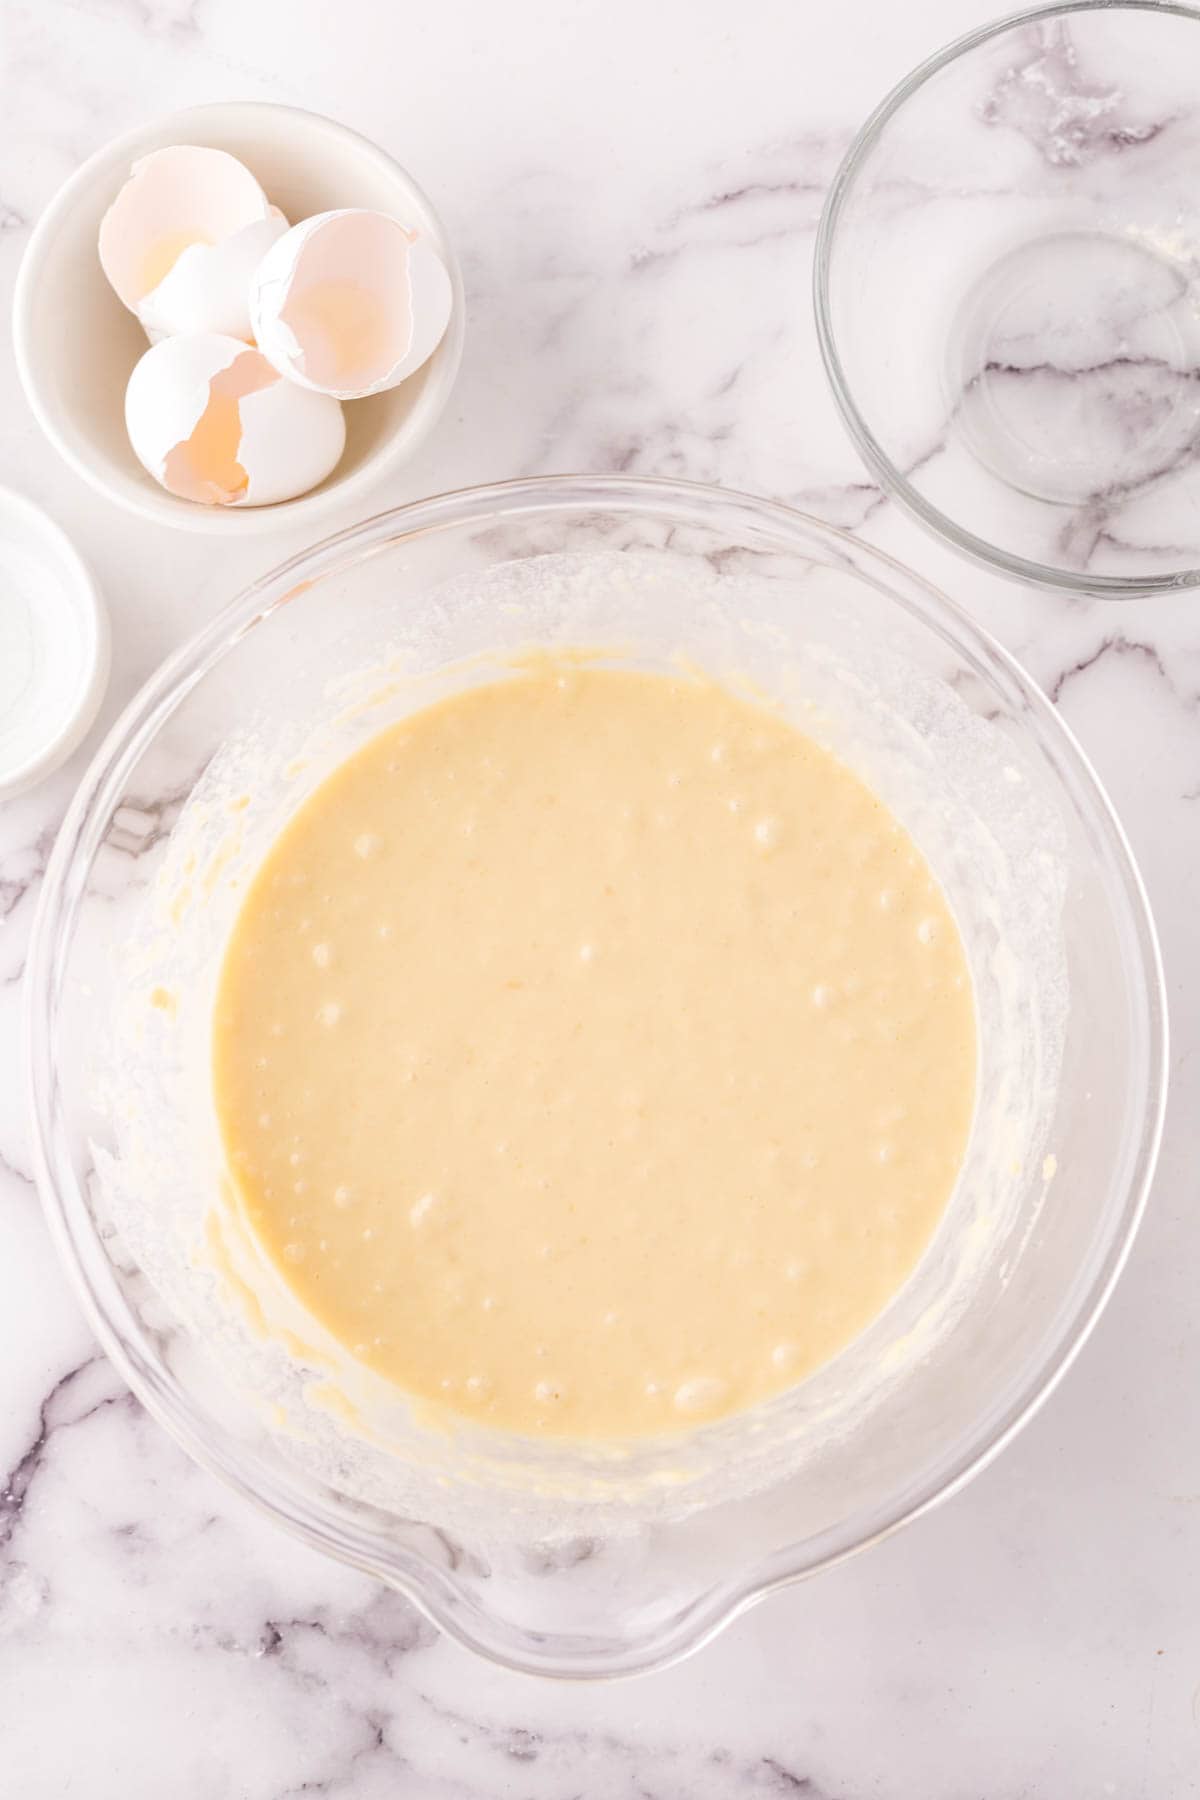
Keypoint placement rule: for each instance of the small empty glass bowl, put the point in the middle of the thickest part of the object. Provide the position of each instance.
(559, 1558)
(1007, 291)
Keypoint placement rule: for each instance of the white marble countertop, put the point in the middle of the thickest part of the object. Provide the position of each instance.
(634, 189)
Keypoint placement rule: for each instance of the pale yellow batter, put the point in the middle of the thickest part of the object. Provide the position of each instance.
(594, 1053)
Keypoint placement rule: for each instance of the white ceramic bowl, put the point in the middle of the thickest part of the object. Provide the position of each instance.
(76, 344)
(54, 645)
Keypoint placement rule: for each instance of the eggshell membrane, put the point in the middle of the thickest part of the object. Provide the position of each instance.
(208, 286)
(350, 303)
(212, 421)
(174, 198)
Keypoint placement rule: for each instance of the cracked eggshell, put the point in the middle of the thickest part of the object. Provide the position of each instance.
(208, 288)
(211, 421)
(350, 303)
(182, 239)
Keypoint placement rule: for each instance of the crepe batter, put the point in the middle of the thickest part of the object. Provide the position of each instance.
(594, 1053)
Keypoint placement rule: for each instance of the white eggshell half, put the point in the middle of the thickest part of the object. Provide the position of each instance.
(184, 191)
(290, 439)
(208, 287)
(168, 391)
(392, 271)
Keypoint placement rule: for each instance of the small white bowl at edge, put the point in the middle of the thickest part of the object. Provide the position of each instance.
(76, 344)
(54, 645)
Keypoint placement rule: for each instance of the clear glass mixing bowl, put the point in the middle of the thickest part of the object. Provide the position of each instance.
(1006, 295)
(555, 1559)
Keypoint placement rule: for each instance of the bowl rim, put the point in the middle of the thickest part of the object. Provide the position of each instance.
(150, 502)
(432, 1589)
(894, 481)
